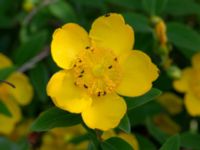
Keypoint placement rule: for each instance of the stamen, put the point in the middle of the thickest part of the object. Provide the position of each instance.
(107, 15)
(97, 72)
(87, 47)
(80, 76)
(85, 86)
(110, 67)
(8, 83)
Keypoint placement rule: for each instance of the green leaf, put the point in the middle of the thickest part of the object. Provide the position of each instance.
(130, 4)
(139, 115)
(172, 143)
(149, 6)
(178, 7)
(39, 78)
(55, 117)
(63, 11)
(4, 110)
(141, 100)
(87, 3)
(159, 135)
(24, 144)
(190, 140)
(30, 48)
(91, 146)
(144, 143)
(5, 72)
(160, 6)
(115, 143)
(6, 144)
(139, 22)
(93, 135)
(184, 37)
(125, 124)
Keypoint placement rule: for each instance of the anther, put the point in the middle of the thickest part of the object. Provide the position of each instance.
(82, 71)
(109, 67)
(87, 47)
(99, 94)
(75, 83)
(80, 76)
(80, 61)
(115, 59)
(85, 86)
(104, 93)
(74, 65)
(107, 15)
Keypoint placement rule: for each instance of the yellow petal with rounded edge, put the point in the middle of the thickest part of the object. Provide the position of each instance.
(166, 124)
(171, 102)
(112, 33)
(65, 94)
(182, 84)
(23, 93)
(192, 104)
(131, 139)
(138, 73)
(105, 112)
(67, 42)
(7, 124)
(108, 134)
(196, 61)
(4, 61)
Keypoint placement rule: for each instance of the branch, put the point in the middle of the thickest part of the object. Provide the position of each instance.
(30, 64)
(30, 16)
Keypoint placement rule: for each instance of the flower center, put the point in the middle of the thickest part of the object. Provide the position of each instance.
(97, 71)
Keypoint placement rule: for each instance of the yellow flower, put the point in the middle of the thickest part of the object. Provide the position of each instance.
(96, 68)
(171, 102)
(166, 124)
(189, 83)
(59, 139)
(161, 32)
(11, 97)
(28, 5)
(129, 138)
(21, 130)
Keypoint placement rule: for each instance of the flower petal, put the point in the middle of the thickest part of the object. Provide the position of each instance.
(65, 94)
(182, 84)
(4, 61)
(7, 124)
(67, 42)
(131, 139)
(192, 104)
(196, 61)
(105, 112)
(138, 73)
(23, 93)
(111, 32)
(171, 102)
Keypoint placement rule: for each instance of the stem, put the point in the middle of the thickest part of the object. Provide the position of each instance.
(30, 64)
(30, 16)
(8, 83)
